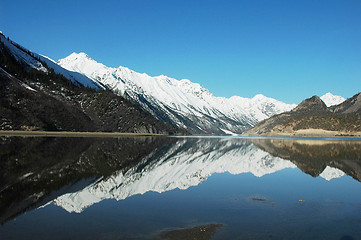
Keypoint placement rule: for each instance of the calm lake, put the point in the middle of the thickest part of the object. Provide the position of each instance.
(179, 188)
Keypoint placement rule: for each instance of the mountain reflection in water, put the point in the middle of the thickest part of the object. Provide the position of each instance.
(75, 173)
(315, 156)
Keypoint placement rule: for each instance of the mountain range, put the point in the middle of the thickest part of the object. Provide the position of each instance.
(93, 97)
(179, 103)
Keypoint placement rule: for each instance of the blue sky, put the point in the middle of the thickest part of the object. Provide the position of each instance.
(288, 50)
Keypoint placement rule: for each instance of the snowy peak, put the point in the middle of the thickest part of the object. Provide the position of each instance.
(259, 97)
(77, 57)
(330, 100)
(80, 55)
(81, 61)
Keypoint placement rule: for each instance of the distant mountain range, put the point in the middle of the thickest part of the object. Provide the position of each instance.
(312, 117)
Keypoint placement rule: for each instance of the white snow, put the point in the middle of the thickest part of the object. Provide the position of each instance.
(28, 87)
(177, 98)
(330, 100)
(73, 76)
(331, 173)
(229, 132)
(22, 56)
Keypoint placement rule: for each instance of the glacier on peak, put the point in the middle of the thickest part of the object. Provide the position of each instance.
(179, 102)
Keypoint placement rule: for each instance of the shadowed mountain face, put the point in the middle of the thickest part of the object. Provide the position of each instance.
(75, 173)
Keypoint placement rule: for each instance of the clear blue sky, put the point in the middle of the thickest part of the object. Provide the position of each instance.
(288, 50)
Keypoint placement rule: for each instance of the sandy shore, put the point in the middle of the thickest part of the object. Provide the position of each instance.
(314, 133)
(322, 132)
(73, 134)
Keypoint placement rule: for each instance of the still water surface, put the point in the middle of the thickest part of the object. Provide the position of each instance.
(179, 188)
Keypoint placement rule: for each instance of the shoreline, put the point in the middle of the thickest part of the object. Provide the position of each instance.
(74, 134)
(298, 134)
(311, 133)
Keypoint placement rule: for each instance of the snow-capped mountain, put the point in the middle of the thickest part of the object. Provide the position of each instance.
(330, 100)
(179, 102)
(186, 163)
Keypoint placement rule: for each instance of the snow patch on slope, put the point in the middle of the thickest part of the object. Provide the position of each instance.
(28, 87)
